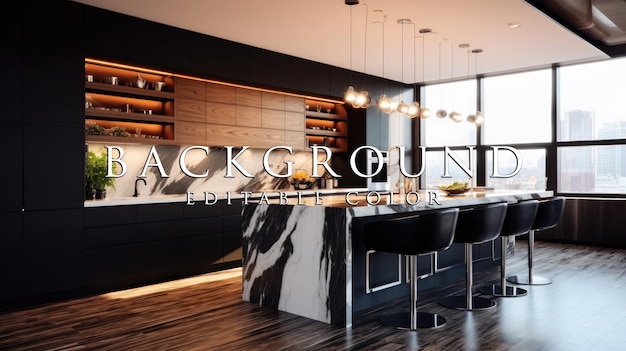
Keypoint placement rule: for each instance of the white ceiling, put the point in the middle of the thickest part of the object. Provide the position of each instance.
(319, 30)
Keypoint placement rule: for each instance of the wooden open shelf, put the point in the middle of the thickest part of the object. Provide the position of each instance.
(328, 127)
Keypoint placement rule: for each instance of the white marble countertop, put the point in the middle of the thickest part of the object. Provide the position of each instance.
(358, 205)
(199, 197)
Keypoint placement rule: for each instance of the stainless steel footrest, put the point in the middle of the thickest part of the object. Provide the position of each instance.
(460, 302)
(525, 280)
(496, 290)
(402, 320)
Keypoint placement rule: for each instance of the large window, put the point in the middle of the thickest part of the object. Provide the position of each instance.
(438, 132)
(453, 97)
(519, 112)
(591, 101)
(530, 176)
(591, 147)
(517, 108)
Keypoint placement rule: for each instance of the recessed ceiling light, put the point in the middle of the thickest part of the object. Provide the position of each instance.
(514, 25)
(426, 30)
(404, 21)
(477, 51)
(464, 46)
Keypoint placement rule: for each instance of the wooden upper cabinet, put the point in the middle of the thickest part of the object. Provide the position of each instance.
(295, 121)
(297, 140)
(221, 93)
(247, 116)
(190, 110)
(248, 97)
(273, 101)
(192, 133)
(224, 135)
(294, 103)
(273, 119)
(220, 113)
(190, 89)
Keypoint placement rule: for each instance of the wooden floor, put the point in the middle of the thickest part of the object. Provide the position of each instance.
(584, 309)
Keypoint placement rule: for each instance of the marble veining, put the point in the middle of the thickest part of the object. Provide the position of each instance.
(298, 258)
(135, 156)
(278, 242)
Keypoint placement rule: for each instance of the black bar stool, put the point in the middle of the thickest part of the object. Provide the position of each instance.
(548, 216)
(412, 236)
(475, 226)
(518, 220)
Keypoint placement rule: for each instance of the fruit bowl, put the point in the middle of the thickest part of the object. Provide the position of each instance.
(456, 188)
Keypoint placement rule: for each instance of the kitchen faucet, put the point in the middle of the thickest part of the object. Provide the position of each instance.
(136, 181)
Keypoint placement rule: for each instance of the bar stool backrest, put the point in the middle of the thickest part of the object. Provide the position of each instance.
(480, 224)
(519, 217)
(549, 213)
(413, 235)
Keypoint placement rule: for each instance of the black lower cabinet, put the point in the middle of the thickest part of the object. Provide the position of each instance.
(127, 246)
(202, 253)
(231, 249)
(11, 255)
(160, 260)
(110, 268)
(53, 251)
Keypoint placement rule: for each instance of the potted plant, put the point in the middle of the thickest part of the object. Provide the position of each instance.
(301, 180)
(96, 180)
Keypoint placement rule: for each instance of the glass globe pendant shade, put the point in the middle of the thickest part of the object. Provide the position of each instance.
(413, 110)
(385, 104)
(350, 95)
(403, 107)
(424, 112)
(479, 118)
(455, 116)
(362, 100)
(441, 113)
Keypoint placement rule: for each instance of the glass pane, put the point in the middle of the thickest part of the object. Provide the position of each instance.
(591, 101)
(532, 173)
(517, 108)
(592, 169)
(455, 96)
(435, 169)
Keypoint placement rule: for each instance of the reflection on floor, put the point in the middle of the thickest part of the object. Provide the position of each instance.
(583, 309)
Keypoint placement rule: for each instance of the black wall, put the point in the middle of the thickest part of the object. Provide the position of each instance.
(50, 248)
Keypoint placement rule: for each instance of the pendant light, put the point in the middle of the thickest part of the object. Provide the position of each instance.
(384, 103)
(476, 118)
(424, 112)
(358, 99)
(441, 113)
(456, 116)
(403, 107)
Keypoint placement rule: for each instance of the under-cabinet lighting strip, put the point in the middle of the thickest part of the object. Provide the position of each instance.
(147, 70)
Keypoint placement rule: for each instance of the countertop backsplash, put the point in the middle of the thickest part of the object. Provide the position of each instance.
(197, 161)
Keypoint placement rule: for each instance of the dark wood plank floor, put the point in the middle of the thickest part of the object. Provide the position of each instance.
(584, 309)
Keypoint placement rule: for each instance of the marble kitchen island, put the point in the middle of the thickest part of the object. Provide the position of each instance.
(308, 258)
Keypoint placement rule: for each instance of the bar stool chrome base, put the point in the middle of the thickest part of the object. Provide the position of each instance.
(532, 280)
(402, 320)
(460, 302)
(496, 290)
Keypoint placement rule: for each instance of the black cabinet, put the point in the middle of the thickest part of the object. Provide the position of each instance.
(11, 255)
(173, 48)
(111, 267)
(104, 33)
(53, 251)
(54, 168)
(140, 41)
(131, 245)
(267, 68)
(309, 76)
(13, 175)
(218, 58)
